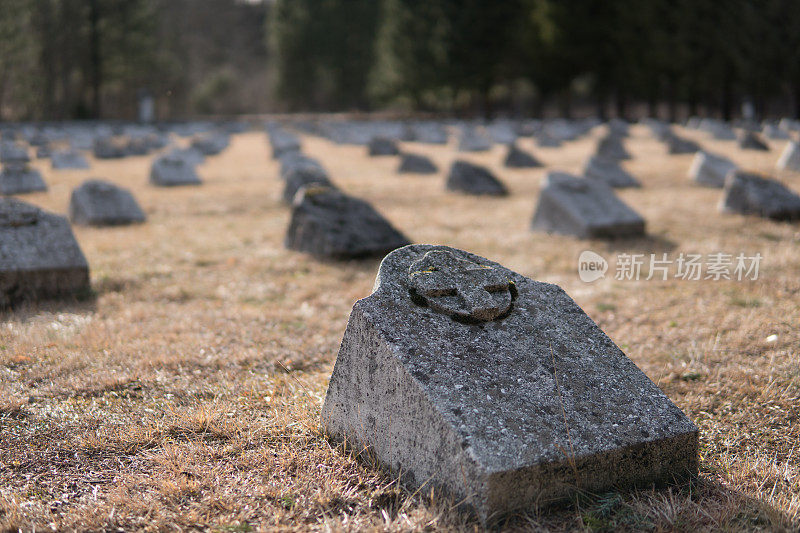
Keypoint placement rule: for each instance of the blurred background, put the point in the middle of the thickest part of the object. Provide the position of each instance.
(82, 59)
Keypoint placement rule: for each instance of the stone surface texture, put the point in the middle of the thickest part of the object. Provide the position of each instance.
(710, 170)
(19, 178)
(750, 140)
(416, 164)
(329, 224)
(747, 193)
(100, 203)
(474, 179)
(790, 157)
(610, 172)
(611, 147)
(68, 160)
(302, 175)
(39, 256)
(584, 208)
(505, 412)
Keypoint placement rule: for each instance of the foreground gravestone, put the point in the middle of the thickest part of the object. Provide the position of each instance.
(416, 164)
(516, 157)
(68, 160)
(790, 158)
(171, 171)
(459, 374)
(39, 256)
(710, 169)
(382, 146)
(329, 224)
(19, 178)
(748, 193)
(100, 203)
(301, 176)
(474, 179)
(610, 172)
(750, 140)
(584, 208)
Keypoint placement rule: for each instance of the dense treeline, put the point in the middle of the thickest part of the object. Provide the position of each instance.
(91, 58)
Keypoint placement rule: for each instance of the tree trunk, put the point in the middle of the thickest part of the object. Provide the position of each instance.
(95, 57)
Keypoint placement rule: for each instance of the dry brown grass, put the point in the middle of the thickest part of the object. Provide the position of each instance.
(187, 394)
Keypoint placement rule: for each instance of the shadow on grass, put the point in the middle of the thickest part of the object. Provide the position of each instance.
(83, 302)
(649, 244)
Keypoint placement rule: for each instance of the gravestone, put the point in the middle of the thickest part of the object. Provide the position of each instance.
(679, 145)
(11, 152)
(19, 178)
(44, 152)
(472, 140)
(300, 176)
(610, 172)
(618, 127)
(191, 156)
(292, 160)
(416, 164)
(710, 169)
(382, 146)
(474, 179)
(516, 157)
(39, 256)
(100, 203)
(329, 224)
(68, 160)
(170, 171)
(137, 146)
(790, 158)
(498, 390)
(748, 193)
(429, 133)
(212, 143)
(584, 208)
(283, 142)
(108, 148)
(750, 140)
(545, 140)
(611, 147)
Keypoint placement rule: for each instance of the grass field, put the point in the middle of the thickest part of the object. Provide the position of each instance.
(186, 395)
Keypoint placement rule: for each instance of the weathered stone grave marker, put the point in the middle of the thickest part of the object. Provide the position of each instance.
(19, 178)
(609, 172)
(329, 224)
(416, 164)
(474, 179)
(68, 160)
(516, 157)
(748, 193)
(790, 158)
(300, 176)
(750, 140)
(584, 208)
(170, 171)
(459, 374)
(100, 203)
(611, 147)
(710, 169)
(382, 146)
(39, 256)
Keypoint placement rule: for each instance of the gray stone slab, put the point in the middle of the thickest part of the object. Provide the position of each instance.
(282, 142)
(611, 147)
(11, 152)
(39, 256)
(19, 178)
(212, 143)
(771, 131)
(109, 148)
(790, 157)
(292, 160)
(382, 146)
(416, 164)
(750, 140)
(461, 375)
(584, 208)
(429, 133)
(610, 172)
(191, 156)
(329, 224)
(474, 179)
(68, 160)
(516, 157)
(748, 193)
(710, 169)
(101, 203)
(545, 140)
(678, 145)
(170, 171)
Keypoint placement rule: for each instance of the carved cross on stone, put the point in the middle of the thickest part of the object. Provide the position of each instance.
(460, 288)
